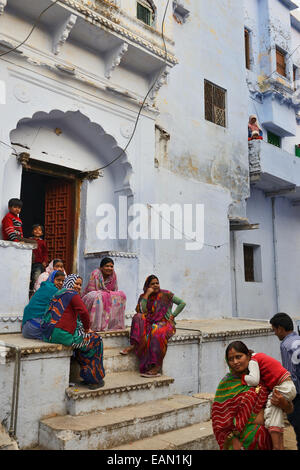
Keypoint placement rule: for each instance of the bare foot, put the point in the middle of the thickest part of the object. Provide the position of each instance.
(126, 351)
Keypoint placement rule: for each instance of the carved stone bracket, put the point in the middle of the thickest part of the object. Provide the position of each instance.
(160, 81)
(62, 33)
(2, 6)
(92, 175)
(23, 158)
(114, 57)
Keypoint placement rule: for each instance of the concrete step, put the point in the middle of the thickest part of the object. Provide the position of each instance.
(103, 430)
(113, 362)
(120, 389)
(115, 339)
(198, 436)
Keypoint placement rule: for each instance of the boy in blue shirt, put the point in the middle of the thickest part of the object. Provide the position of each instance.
(283, 328)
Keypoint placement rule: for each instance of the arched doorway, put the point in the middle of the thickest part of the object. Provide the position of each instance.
(60, 150)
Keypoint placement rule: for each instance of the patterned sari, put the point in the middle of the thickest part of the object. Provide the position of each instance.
(151, 331)
(234, 409)
(88, 346)
(105, 303)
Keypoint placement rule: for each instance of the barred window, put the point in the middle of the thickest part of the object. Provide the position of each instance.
(215, 103)
(145, 12)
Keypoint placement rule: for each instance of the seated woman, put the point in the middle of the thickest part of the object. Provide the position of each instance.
(105, 303)
(152, 326)
(39, 304)
(55, 265)
(254, 129)
(238, 410)
(67, 322)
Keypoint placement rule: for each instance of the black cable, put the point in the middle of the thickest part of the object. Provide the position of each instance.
(144, 101)
(31, 31)
(7, 145)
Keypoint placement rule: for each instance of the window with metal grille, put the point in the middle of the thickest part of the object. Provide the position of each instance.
(215, 101)
(274, 139)
(144, 12)
(280, 62)
(247, 48)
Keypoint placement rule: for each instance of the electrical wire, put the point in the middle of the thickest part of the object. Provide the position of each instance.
(187, 238)
(144, 101)
(7, 145)
(31, 31)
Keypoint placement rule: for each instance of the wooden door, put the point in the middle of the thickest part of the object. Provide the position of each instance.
(60, 221)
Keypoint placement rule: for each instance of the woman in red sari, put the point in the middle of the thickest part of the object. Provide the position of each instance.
(238, 410)
(152, 326)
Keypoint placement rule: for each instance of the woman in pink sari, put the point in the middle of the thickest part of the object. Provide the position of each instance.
(105, 303)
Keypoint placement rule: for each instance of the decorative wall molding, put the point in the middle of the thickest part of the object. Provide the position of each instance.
(17, 246)
(109, 18)
(114, 254)
(227, 335)
(62, 33)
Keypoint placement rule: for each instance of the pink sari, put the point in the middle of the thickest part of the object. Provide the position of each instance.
(105, 303)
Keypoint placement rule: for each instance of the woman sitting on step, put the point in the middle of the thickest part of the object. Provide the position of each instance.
(152, 326)
(39, 304)
(67, 322)
(105, 303)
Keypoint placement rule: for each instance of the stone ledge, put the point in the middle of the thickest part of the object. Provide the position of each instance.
(28, 346)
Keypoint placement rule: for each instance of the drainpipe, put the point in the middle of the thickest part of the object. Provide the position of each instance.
(275, 254)
(15, 395)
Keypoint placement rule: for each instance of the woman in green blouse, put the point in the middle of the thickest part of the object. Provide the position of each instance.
(152, 326)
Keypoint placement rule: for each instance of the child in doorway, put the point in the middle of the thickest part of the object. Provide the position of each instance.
(39, 255)
(269, 372)
(11, 223)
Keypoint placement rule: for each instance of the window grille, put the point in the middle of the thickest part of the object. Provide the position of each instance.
(144, 12)
(215, 104)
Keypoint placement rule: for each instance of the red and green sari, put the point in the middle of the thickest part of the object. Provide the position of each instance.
(234, 409)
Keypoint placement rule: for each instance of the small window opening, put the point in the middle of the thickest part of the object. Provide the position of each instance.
(280, 62)
(145, 12)
(274, 139)
(215, 103)
(247, 48)
(252, 263)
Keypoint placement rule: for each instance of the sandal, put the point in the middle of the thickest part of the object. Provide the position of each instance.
(146, 374)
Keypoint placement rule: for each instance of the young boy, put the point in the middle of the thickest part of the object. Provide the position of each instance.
(11, 223)
(39, 255)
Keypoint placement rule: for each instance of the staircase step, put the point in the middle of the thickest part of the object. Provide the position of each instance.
(115, 339)
(120, 389)
(102, 430)
(113, 361)
(198, 436)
